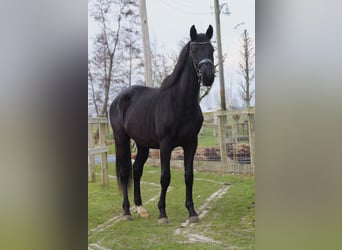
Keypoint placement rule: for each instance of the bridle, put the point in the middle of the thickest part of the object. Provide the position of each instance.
(198, 66)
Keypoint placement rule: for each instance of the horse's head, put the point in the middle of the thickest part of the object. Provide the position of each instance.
(201, 52)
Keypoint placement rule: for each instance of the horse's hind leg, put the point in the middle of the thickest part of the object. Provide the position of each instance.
(123, 168)
(137, 173)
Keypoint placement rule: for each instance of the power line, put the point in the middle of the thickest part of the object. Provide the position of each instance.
(185, 10)
(190, 4)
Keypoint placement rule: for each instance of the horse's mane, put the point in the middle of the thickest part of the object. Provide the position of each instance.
(170, 80)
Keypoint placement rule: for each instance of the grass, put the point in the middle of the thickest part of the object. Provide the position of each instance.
(111, 149)
(228, 221)
(207, 141)
(206, 137)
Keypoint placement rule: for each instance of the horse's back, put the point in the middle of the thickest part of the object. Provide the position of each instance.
(134, 111)
(129, 96)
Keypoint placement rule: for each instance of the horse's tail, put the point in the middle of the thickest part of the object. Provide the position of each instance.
(122, 146)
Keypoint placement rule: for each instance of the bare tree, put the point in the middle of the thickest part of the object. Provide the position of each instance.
(162, 64)
(91, 90)
(107, 72)
(247, 68)
(130, 57)
(132, 48)
(105, 48)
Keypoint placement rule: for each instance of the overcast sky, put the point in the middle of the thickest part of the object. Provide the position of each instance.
(170, 21)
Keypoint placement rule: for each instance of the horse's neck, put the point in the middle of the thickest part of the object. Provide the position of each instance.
(188, 87)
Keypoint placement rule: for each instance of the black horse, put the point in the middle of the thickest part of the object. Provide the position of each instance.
(163, 118)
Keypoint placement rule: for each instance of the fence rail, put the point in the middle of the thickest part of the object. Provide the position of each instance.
(97, 126)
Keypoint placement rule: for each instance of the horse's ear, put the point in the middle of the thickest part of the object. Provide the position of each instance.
(193, 33)
(209, 32)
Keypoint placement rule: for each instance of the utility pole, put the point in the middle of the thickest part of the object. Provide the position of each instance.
(219, 51)
(146, 43)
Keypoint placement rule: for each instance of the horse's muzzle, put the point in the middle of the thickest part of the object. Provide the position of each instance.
(207, 70)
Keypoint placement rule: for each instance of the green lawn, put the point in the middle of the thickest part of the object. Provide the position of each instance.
(207, 141)
(111, 149)
(229, 220)
(206, 137)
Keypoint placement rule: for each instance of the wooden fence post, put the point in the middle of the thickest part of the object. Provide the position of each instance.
(222, 122)
(101, 148)
(104, 163)
(91, 173)
(235, 131)
(251, 135)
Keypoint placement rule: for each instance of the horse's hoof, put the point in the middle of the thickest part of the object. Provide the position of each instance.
(127, 217)
(194, 219)
(142, 212)
(163, 220)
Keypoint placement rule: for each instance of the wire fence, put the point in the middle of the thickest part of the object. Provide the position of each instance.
(226, 143)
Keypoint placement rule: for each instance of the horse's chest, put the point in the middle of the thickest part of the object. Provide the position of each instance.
(178, 124)
(190, 126)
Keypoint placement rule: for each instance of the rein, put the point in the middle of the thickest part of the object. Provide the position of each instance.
(201, 63)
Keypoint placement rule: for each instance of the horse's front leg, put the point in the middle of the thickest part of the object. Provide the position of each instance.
(165, 155)
(189, 152)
